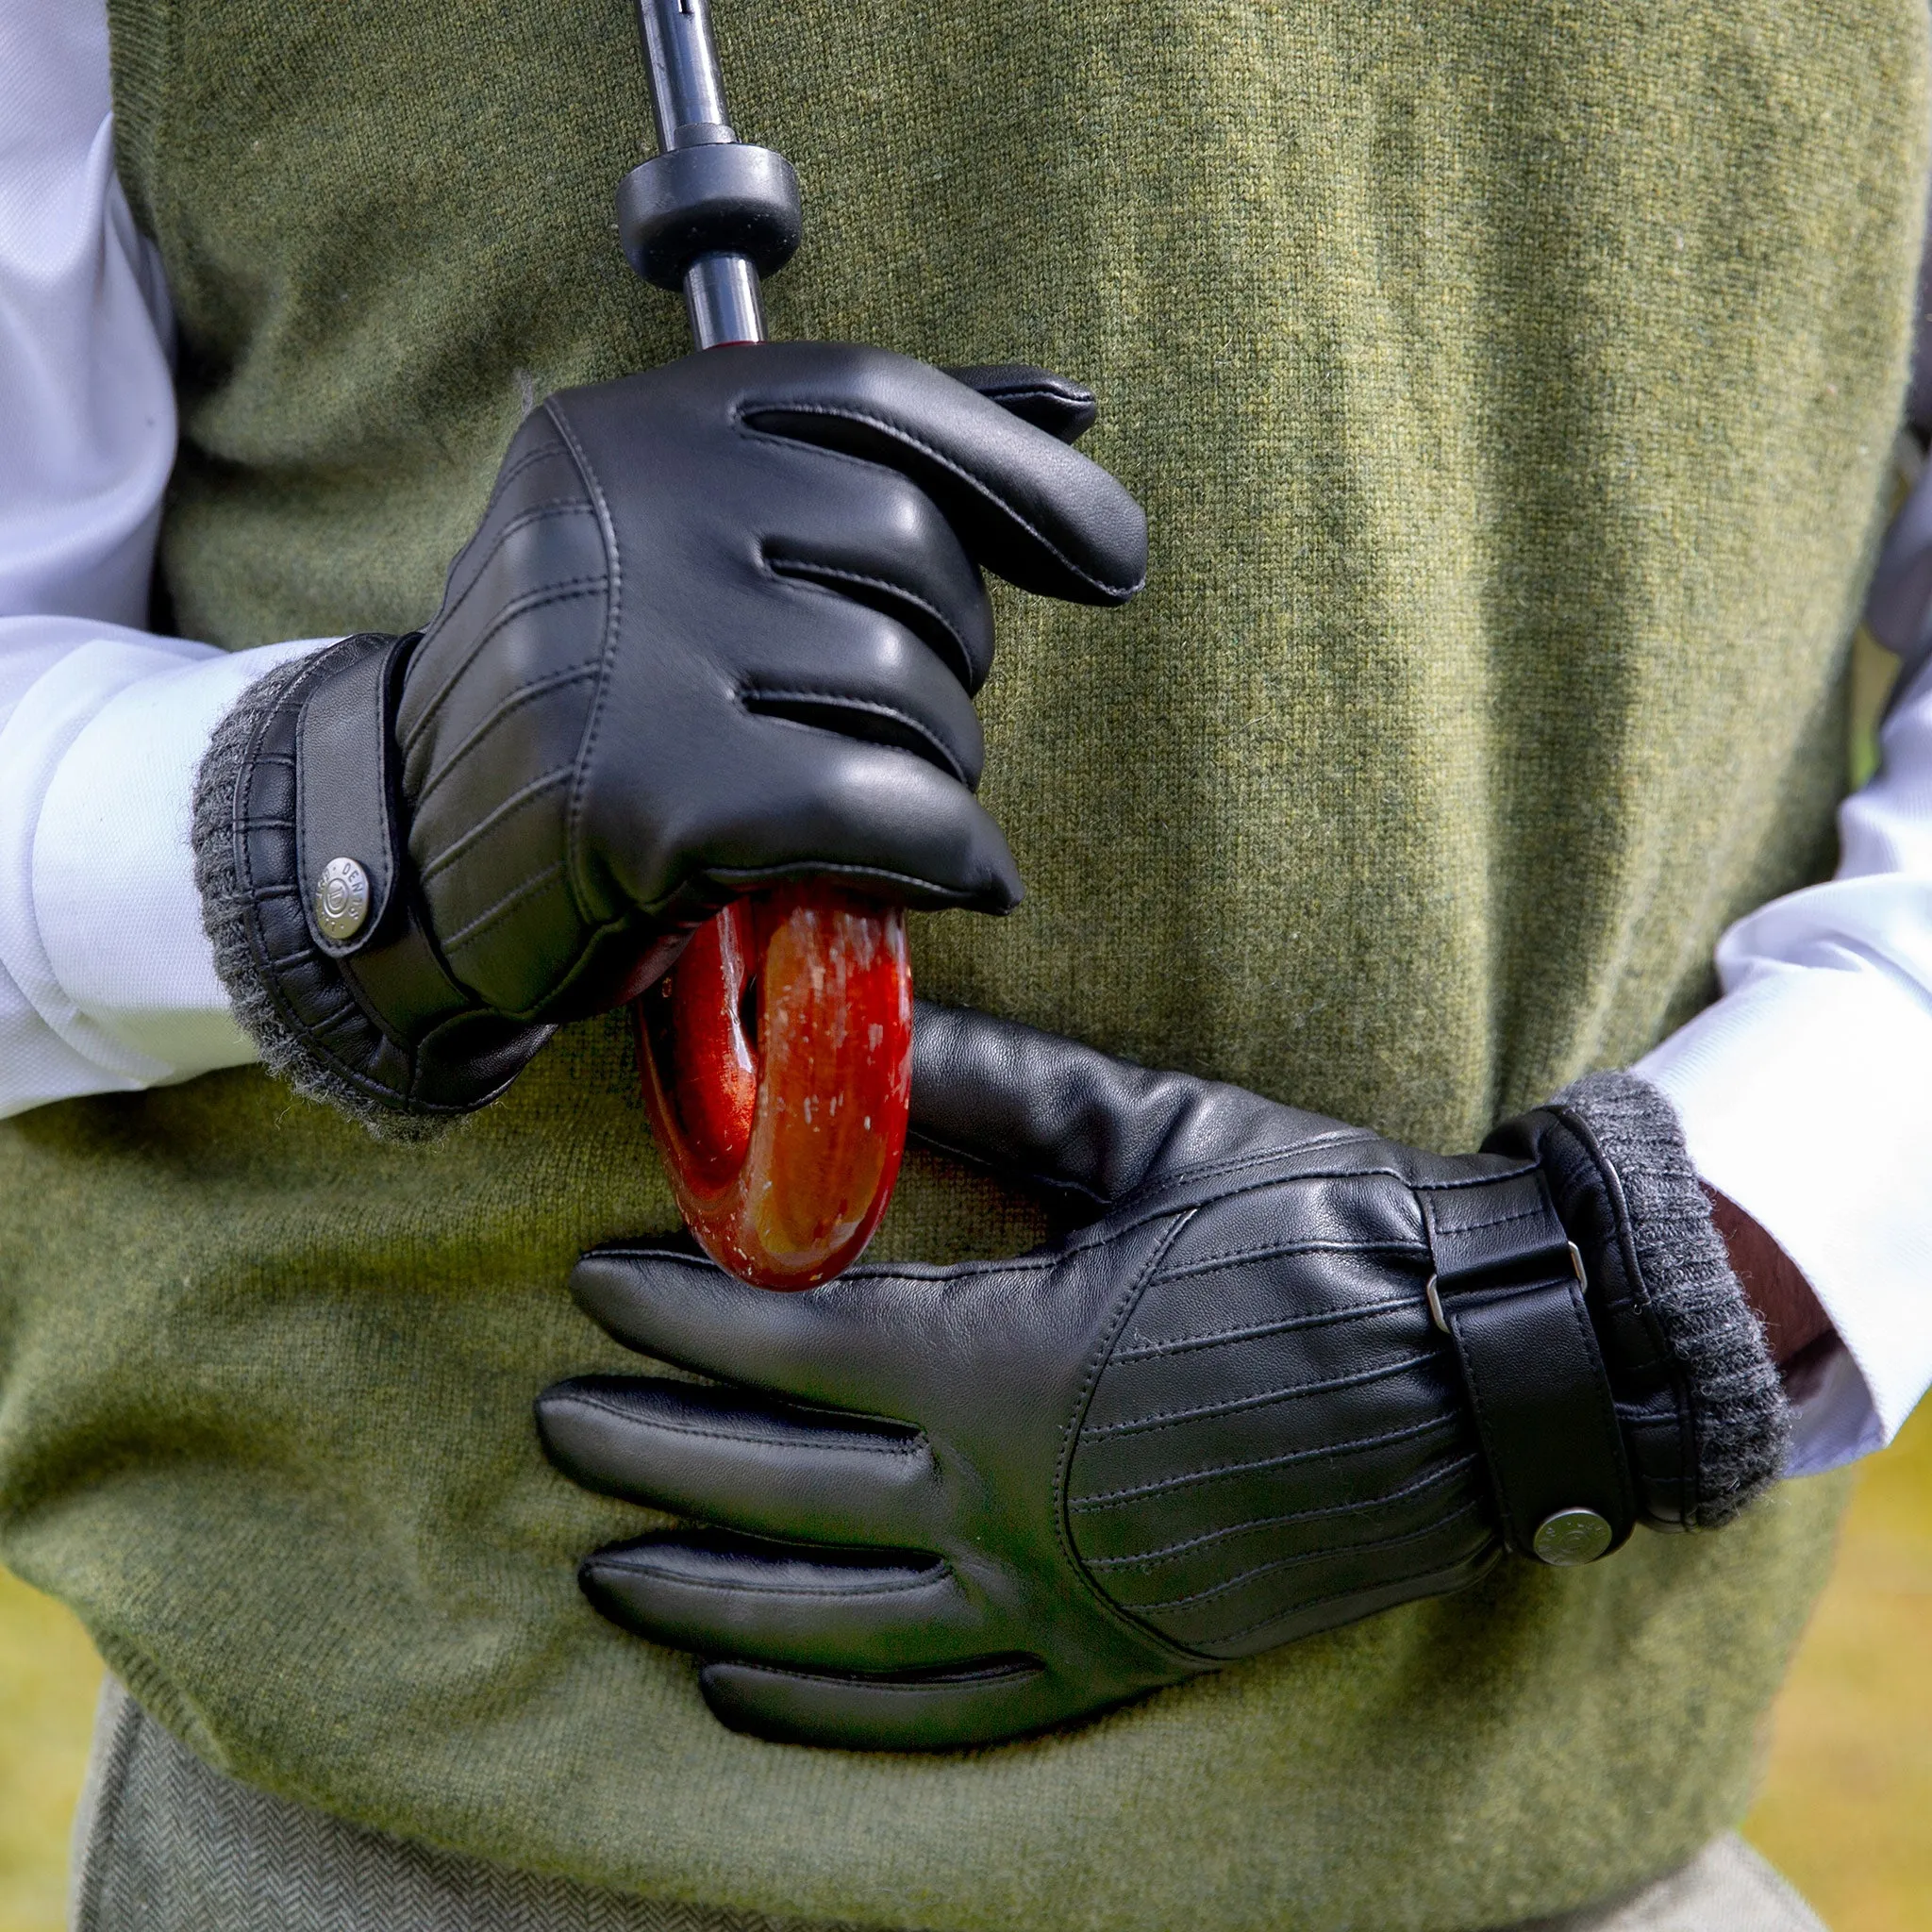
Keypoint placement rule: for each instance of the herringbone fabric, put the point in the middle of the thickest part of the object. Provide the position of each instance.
(164, 1843)
(1726, 1888)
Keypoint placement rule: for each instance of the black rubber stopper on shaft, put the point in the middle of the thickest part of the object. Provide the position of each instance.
(720, 198)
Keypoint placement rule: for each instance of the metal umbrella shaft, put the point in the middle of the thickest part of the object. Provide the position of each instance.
(784, 1184)
(709, 214)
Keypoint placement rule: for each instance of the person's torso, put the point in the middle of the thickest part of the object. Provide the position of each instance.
(1509, 388)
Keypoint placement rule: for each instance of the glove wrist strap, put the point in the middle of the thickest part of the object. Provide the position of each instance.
(349, 855)
(1508, 1292)
(345, 995)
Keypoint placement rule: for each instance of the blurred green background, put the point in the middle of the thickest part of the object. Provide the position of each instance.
(1846, 1807)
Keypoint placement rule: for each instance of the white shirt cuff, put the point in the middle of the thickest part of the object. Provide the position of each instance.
(100, 919)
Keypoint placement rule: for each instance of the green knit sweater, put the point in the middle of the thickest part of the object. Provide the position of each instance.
(1509, 383)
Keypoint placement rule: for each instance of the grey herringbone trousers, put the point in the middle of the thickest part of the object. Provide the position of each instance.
(165, 1845)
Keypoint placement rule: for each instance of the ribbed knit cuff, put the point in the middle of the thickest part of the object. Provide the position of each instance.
(227, 905)
(1742, 1422)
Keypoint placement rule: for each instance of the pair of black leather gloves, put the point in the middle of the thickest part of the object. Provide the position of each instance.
(722, 625)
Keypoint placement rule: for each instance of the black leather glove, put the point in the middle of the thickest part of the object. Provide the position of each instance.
(720, 624)
(938, 1506)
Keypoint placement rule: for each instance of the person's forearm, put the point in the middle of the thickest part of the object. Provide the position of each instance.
(1795, 1321)
(104, 978)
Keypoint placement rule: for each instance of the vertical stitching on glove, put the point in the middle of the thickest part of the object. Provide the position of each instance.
(1301, 1609)
(538, 786)
(1166, 1552)
(511, 471)
(1395, 1539)
(1113, 1499)
(529, 692)
(574, 809)
(518, 605)
(490, 914)
(1262, 1398)
(1128, 1300)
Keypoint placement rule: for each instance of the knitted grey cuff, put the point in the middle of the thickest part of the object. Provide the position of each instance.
(1742, 1423)
(224, 916)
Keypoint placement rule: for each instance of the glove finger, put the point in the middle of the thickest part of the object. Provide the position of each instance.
(877, 539)
(825, 804)
(1024, 504)
(1043, 1108)
(1064, 409)
(766, 1467)
(999, 1697)
(828, 661)
(785, 1603)
(847, 1345)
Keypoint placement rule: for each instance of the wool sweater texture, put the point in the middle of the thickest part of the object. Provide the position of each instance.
(1510, 384)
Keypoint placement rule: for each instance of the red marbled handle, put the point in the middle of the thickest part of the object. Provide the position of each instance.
(777, 1062)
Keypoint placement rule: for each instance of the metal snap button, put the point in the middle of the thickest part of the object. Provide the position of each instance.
(341, 903)
(1570, 1537)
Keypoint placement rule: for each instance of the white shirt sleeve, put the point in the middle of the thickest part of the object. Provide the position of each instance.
(106, 981)
(87, 396)
(1805, 1092)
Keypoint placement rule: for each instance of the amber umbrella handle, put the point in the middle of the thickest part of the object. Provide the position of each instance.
(776, 1054)
(777, 1059)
